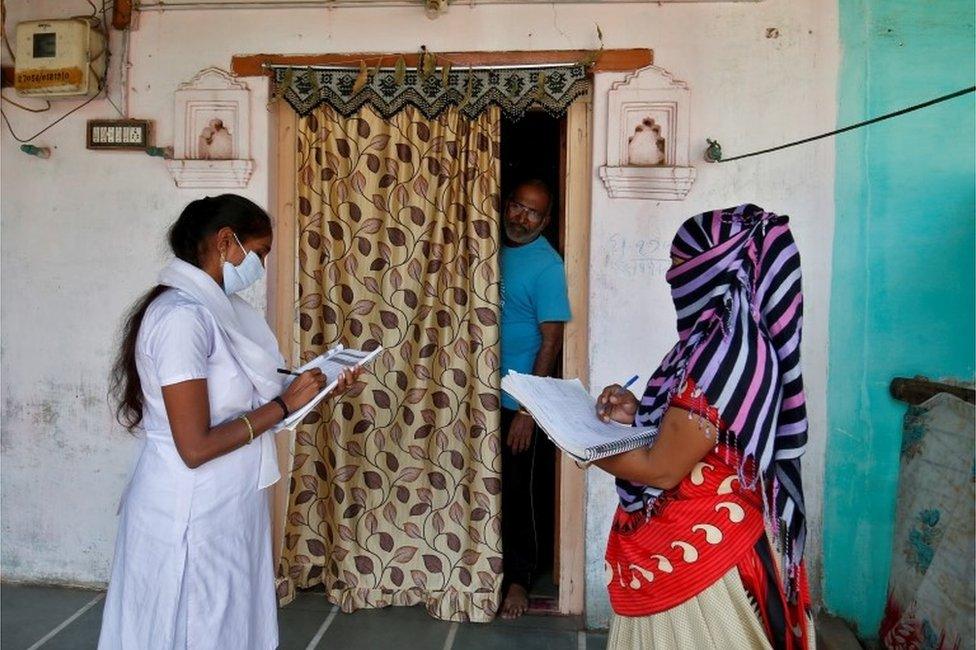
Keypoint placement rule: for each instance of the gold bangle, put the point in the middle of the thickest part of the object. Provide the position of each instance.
(250, 429)
(522, 410)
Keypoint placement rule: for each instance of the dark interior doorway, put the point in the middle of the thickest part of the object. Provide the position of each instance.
(532, 147)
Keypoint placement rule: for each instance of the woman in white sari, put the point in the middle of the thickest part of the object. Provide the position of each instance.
(197, 373)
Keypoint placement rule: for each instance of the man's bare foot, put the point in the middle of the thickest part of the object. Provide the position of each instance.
(516, 601)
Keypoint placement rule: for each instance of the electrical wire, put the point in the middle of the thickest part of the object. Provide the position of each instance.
(6, 120)
(535, 530)
(124, 71)
(27, 108)
(115, 106)
(886, 116)
(108, 61)
(102, 81)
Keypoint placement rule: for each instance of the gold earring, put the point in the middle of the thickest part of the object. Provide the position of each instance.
(223, 257)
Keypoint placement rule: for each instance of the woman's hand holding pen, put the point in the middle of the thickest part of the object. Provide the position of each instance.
(305, 386)
(617, 403)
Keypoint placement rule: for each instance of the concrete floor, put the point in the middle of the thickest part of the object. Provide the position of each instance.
(57, 618)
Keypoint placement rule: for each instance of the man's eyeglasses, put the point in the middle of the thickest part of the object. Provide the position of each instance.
(531, 213)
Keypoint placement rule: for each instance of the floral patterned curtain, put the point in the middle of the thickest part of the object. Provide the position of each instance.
(395, 488)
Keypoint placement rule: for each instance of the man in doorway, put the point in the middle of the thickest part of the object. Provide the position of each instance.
(534, 309)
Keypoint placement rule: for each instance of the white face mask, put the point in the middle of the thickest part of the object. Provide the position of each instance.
(240, 277)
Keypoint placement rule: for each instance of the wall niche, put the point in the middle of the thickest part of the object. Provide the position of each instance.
(648, 137)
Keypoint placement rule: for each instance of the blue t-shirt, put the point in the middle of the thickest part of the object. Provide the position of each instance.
(533, 291)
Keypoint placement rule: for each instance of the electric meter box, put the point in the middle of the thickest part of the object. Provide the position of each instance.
(59, 58)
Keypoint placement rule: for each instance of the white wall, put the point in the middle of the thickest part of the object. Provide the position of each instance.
(749, 92)
(83, 232)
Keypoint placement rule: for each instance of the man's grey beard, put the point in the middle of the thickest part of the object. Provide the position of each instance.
(524, 238)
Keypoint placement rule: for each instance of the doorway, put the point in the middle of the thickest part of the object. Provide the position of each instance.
(531, 149)
(574, 173)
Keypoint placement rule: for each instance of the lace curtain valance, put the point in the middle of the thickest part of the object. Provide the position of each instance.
(514, 89)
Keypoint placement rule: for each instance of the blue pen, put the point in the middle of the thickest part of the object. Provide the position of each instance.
(630, 382)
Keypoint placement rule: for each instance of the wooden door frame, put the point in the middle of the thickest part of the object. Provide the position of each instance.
(577, 180)
(281, 310)
(576, 232)
(604, 60)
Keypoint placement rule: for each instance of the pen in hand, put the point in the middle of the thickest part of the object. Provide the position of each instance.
(607, 407)
(286, 371)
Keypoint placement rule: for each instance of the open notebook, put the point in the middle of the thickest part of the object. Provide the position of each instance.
(331, 364)
(567, 413)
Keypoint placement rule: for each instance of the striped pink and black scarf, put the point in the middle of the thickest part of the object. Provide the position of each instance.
(740, 312)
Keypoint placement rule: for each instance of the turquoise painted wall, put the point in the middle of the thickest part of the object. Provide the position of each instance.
(903, 268)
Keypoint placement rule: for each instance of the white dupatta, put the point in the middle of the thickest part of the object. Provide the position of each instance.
(252, 344)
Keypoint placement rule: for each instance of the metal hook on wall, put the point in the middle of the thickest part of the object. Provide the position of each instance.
(714, 151)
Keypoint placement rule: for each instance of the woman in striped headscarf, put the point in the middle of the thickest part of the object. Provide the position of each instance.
(706, 547)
